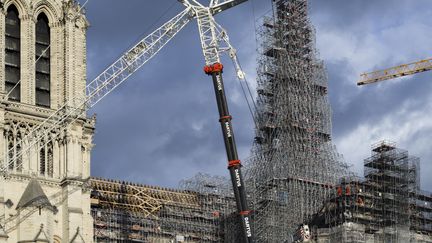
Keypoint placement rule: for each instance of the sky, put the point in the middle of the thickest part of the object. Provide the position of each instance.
(161, 125)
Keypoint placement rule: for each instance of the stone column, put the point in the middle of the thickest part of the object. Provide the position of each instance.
(28, 52)
(78, 158)
(2, 130)
(62, 160)
(86, 160)
(2, 49)
(25, 157)
(57, 65)
(70, 170)
(56, 159)
(69, 57)
(80, 65)
(3, 236)
(34, 159)
(72, 208)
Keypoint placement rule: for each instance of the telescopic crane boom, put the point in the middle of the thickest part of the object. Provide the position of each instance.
(214, 41)
(212, 36)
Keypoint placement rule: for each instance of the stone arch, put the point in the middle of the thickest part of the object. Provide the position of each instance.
(23, 127)
(22, 7)
(50, 159)
(43, 38)
(57, 239)
(49, 9)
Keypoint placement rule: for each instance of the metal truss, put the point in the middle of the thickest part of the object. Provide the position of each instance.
(395, 72)
(103, 84)
(74, 109)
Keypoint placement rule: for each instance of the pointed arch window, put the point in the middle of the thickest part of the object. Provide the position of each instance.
(46, 159)
(14, 149)
(12, 54)
(42, 161)
(18, 152)
(50, 159)
(43, 77)
(11, 152)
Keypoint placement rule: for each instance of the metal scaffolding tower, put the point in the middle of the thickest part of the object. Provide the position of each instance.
(386, 206)
(294, 163)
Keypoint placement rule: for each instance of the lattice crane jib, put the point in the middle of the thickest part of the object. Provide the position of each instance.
(395, 72)
(105, 83)
(212, 36)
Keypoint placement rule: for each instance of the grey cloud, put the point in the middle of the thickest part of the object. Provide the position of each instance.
(370, 35)
(145, 130)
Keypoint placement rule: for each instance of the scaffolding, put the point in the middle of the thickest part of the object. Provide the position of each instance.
(206, 184)
(386, 205)
(391, 176)
(293, 166)
(294, 163)
(127, 212)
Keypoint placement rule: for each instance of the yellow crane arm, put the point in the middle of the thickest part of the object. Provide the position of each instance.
(395, 72)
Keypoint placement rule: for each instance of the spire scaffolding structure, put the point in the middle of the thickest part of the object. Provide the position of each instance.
(294, 164)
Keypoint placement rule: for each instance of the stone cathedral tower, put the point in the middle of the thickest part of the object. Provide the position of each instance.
(43, 194)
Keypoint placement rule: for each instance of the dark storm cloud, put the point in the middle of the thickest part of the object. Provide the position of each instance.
(161, 125)
(372, 103)
(357, 36)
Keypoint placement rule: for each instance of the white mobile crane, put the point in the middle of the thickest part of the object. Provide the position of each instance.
(214, 41)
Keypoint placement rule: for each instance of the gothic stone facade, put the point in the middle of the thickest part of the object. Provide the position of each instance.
(43, 194)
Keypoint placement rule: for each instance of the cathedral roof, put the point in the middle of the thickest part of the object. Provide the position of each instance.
(34, 196)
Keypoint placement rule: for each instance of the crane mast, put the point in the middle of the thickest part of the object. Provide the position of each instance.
(234, 164)
(212, 36)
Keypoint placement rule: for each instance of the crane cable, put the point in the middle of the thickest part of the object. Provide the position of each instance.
(42, 54)
(248, 96)
(8, 163)
(151, 26)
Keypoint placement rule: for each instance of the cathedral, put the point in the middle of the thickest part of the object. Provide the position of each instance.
(44, 181)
